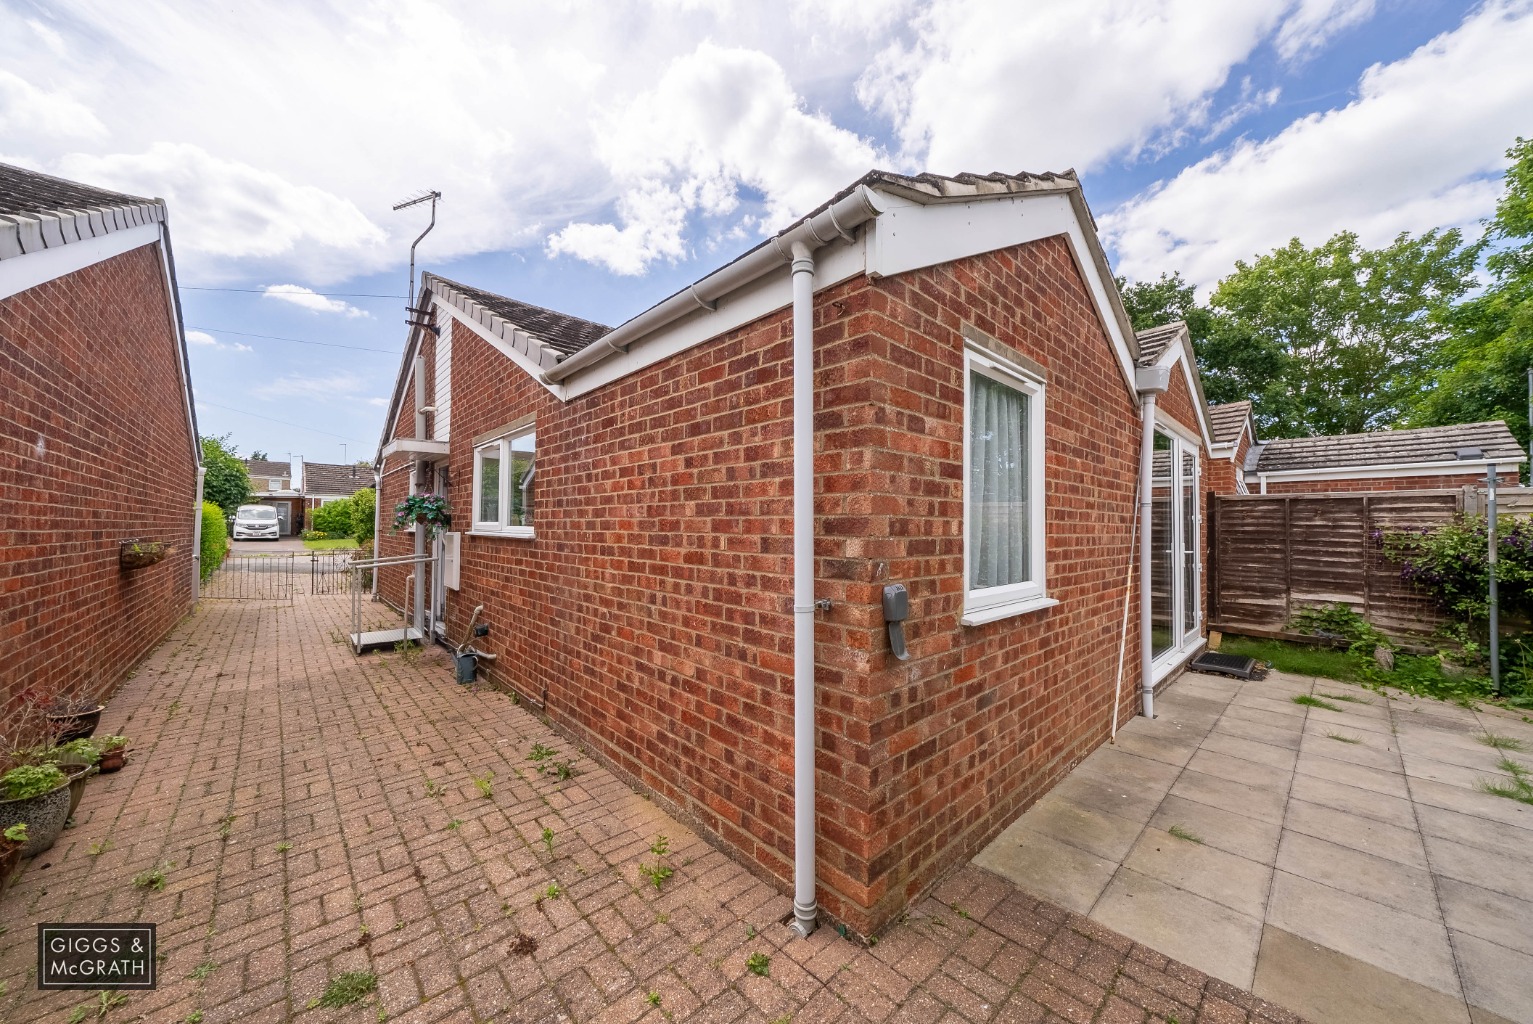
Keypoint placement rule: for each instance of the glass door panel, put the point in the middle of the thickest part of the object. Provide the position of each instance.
(1163, 546)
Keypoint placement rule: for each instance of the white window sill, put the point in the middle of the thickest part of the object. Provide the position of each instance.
(995, 613)
(514, 533)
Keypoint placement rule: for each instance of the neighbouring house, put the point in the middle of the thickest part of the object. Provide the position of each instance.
(689, 534)
(324, 482)
(1421, 458)
(1233, 430)
(95, 393)
(280, 485)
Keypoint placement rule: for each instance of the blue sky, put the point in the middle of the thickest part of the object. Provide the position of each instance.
(596, 156)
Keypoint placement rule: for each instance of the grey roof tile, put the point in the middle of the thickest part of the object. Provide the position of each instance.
(1389, 447)
(1225, 421)
(39, 211)
(329, 478)
(561, 332)
(1154, 341)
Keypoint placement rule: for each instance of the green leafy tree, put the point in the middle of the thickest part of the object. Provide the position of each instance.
(226, 483)
(215, 539)
(1353, 333)
(364, 504)
(1483, 368)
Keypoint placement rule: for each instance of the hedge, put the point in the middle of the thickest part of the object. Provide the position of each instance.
(333, 518)
(215, 539)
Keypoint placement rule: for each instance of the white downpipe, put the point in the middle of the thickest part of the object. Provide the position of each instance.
(202, 472)
(1146, 556)
(805, 908)
(1128, 589)
(377, 518)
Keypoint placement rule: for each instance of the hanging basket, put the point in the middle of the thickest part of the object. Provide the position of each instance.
(140, 554)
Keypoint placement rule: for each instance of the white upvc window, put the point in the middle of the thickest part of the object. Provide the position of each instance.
(504, 470)
(1003, 490)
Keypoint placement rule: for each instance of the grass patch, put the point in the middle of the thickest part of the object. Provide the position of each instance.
(1491, 739)
(1342, 737)
(1295, 658)
(1180, 833)
(1519, 787)
(1421, 676)
(1309, 700)
(332, 544)
(349, 988)
(1345, 698)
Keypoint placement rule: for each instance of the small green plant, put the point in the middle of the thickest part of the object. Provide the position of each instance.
(152, 879)
(485, 784)
(29, 780)
(77, 751)
(553, 891)
(750, 931)
(759, 964)
(1186, 836)
(965, 914)
(17, 833)
(541, 753)
(454, 824)
(203, 969)
(1520, 788)
(175, 706)
(565, 770)
(350, 987)
(548, 840)
(78, 1014)
(408, 651)
(652, 998)
(786, 1018)
(108, 1001)
(1346, 698)
(284, 846)
(100, 846)
(432, 788)
(1342, 737)
(660, 847)
(1309, 700)
(195, 1017)
(226, 827)
(656, 873)
(1491, 739)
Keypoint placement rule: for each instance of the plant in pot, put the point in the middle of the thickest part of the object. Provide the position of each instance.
(36, 795)
(11, 842)
(134, 553)
(113, 749)
(77, 759)
(430, 509)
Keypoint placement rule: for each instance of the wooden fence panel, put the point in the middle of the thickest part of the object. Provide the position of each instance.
(1275, 555)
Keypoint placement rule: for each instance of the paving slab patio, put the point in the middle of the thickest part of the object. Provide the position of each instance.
(316, 813)
(1341, 861)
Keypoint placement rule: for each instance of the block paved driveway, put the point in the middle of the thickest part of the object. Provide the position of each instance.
(1347, 864)
(257, 721)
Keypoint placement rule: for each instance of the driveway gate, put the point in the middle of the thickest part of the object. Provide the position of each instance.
(279, 576)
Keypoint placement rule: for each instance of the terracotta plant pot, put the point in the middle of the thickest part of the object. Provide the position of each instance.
(44, 816)
(74, 725)
(111, 760)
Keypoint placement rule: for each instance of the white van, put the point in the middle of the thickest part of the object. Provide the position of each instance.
(256, 522)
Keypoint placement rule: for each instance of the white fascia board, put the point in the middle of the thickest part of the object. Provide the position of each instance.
(1177, 351)
(414, 446)
(1398, 469)
(1176, 427)
(499, 344)
(910, 236)
(765, 295)
(31, 269)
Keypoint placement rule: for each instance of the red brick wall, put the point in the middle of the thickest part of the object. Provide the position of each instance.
(94, 449)
(653, 609)
(1389, 483)
(1224, 474)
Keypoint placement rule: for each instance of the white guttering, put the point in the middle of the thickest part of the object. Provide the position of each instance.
(1149, 382)
(837, 220)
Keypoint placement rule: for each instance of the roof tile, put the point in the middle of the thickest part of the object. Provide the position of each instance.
(1389, 447)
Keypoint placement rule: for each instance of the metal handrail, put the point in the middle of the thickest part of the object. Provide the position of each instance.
(391, 561)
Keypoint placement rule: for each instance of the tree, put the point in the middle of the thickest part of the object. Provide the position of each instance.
(1483, 368)
(226, 483)
(1351, 334)
(363, 507)
(259, 456)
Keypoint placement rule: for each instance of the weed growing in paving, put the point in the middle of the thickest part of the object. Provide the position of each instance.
(656, 873)
(1342, 737)
(1183, 834)
(195, 1017)
(548, 841)
(203, 970)
(485, 784)
(78, 1014)
(964, 913)
(284, 846)
(1346, 698)
(1491, 739)
(759, 964)
(1309, 700)
(541, 753)
(225, 827)
(108, 1001)
(454, 825)
(175, 706)
(750, 931)
(660, 847)
(153, 879)
(432, 789)
(652, 998)
(409, 652)
(1520, 788)
(99, 847)
(349, 988)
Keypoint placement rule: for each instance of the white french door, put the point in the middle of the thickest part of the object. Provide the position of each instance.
(1176, 607)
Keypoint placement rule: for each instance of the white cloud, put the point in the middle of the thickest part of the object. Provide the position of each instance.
(27, 111)
(1419, 148)
(984, 87)
(1316, 22)
(718, 119)
(311, 300)
(206, 340)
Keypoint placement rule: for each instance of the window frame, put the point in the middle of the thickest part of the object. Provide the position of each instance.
(501, 445)
(987, 604)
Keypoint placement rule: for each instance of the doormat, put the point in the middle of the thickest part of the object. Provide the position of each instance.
(1226, 665)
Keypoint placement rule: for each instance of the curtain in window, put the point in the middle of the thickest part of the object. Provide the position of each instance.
(489, 485)
(999, 551)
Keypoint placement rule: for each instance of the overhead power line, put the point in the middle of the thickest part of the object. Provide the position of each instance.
(296, 341)
(264, 291)
(273, 419)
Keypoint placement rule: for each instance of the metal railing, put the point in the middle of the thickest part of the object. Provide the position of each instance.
(253, 578)
(359, 571)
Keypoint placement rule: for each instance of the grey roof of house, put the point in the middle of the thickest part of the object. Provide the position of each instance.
(39, 211)
(1390, 447)
(562, 333)
(266, 469)
(1154, 341)
(330, 479)
(1226, 421)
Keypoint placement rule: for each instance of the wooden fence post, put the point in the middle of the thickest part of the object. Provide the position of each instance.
(1367, 561)
(1287, 560)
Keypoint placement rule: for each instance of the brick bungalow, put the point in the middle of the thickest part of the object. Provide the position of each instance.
(682, 529)
(280, 485)
(95, 393)
(1422, 458)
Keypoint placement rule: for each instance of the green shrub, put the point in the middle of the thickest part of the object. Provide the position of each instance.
(333, 518)
(363, 509)
(215, 539)
(30, 780)
(84, 749)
